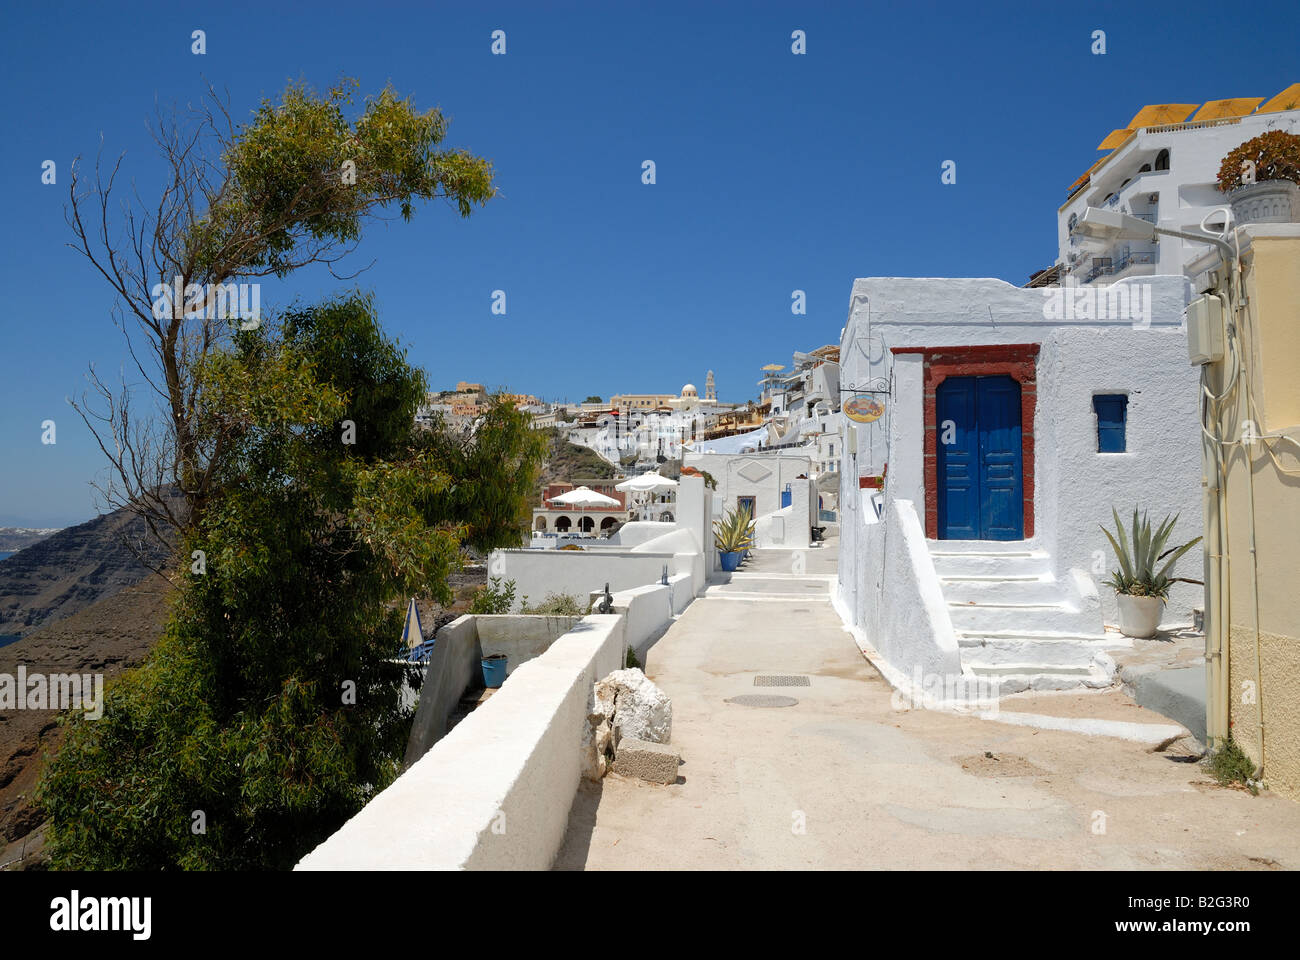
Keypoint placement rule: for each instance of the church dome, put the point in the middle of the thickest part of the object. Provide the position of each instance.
(689, 391)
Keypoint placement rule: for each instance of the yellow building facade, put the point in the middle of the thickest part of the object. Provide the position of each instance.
(1253, 512)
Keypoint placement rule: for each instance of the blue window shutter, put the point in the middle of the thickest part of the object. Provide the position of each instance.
(1112, 418)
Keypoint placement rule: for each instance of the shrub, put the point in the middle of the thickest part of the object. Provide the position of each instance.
(555, 605)
(1230, 765)
(493, 597)
(734, 532)
(1276, 156)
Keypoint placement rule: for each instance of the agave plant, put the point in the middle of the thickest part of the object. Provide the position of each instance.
(734, 532)
(1137, 575)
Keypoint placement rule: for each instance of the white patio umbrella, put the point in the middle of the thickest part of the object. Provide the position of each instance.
(585, 497)
(647, 483)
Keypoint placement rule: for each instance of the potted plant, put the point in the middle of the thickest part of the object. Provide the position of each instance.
(1261, 178)
(1140, 589)
(733, 535)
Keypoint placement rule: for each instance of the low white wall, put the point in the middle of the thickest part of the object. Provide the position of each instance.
(687, 557)
(454, 665)
(495, 793)
(650, 611)
(451, 669)
(538, 573)
(519, 637)
(900, 606)
(639, 531)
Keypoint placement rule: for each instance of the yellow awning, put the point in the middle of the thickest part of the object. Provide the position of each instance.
(1222, 109)
(775, 366)
(1114, 139)
(1160, 113)
(1288, 99)
(1086, 174)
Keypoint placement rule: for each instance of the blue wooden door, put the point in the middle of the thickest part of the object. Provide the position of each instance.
(980, 495)
(958, 462)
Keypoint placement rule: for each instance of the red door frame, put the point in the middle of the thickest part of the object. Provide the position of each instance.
(1016, 360)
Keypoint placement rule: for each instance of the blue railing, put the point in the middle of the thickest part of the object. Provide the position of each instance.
(419, 653)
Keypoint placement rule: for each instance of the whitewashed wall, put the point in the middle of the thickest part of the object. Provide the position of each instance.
(1074, 485)
(495, 793)
(727, 469)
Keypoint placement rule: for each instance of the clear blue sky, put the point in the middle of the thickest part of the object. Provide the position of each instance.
(775, 172)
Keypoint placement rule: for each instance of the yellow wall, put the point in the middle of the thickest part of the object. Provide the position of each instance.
(1270, 683)
(1274, 290)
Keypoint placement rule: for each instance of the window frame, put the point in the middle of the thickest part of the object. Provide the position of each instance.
(1111, 429)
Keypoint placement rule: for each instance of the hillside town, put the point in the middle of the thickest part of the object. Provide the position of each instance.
(1013, 508)
(766, 438)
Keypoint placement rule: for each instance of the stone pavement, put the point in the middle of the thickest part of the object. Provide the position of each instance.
(843, 779)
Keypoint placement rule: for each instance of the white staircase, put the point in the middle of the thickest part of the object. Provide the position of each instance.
(1016, 623)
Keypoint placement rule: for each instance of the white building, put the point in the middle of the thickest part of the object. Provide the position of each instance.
(644, 435)
(984, 457)
(773, 486)
(1165, 172)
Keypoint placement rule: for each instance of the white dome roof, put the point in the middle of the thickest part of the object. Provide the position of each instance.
(689, 390)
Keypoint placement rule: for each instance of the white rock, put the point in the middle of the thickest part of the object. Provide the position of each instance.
(635, 707)
(597, 744)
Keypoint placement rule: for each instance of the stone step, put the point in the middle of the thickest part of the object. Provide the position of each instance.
(991, 618)
(769, 586)
(1027, 588)
(1018, 563)
(1057, 651)
(1017, 677)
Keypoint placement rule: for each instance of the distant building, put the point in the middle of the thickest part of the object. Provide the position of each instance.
(549, 518)
(639, 401)
(1166, 172)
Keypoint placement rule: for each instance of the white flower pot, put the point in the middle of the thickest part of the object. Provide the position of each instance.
(1139, 616)
(1270, 201)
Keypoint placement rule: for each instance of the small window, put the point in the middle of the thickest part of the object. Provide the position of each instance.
(1112, 418)
(1162, 160)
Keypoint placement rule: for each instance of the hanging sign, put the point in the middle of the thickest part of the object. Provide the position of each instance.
(863, 409)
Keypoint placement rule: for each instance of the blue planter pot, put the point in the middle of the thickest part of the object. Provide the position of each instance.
(730, 561)
(494, 670)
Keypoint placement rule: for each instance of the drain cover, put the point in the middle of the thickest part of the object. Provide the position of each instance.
(782, 680)
(762, 700)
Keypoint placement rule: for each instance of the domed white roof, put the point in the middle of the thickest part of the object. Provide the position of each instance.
(689, 390)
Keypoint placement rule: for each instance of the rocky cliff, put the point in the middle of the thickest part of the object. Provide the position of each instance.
(72, 569)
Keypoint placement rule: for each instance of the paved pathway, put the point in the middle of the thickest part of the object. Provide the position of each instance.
(844, 780)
